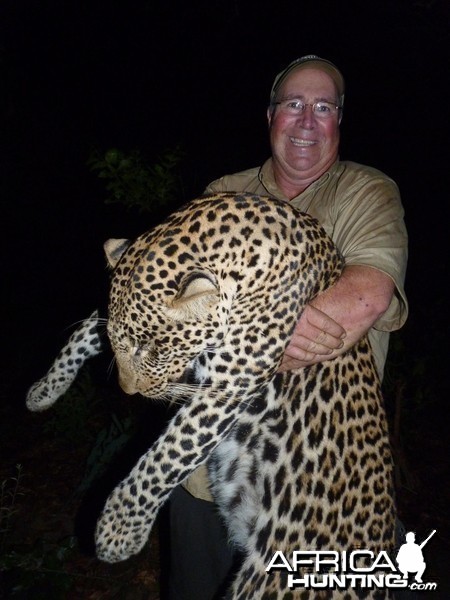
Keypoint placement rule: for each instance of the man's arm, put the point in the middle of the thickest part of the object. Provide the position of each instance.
(339, 317)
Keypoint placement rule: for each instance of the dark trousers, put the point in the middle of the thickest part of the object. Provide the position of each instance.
(200, 557)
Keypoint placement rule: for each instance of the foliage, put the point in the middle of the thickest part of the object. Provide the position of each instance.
(27, 569)
(39, 570)
(131, 181)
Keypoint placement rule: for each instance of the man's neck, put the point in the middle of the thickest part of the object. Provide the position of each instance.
(292, 185)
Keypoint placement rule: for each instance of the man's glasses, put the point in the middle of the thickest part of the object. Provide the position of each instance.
(321, 109)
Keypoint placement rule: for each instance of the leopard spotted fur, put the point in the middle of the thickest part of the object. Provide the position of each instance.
(298, 460)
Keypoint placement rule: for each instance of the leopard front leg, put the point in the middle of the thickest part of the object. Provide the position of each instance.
(126, 521)
(83, 344)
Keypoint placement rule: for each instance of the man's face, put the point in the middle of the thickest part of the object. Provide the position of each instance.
(304, 146)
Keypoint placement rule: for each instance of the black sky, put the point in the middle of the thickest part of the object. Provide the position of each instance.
(152, 74)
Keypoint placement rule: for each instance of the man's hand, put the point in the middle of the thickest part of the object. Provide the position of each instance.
(339, 317)
(315, 338)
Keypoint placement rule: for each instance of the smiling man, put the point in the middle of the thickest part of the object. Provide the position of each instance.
(360, 208)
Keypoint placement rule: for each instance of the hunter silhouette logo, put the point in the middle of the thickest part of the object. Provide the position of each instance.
(410, 557)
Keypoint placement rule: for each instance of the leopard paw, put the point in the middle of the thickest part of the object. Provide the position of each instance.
(123, 527)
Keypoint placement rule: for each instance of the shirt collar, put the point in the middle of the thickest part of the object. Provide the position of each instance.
(267, 179)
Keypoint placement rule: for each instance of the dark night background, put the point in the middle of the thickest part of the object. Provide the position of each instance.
(149, 75)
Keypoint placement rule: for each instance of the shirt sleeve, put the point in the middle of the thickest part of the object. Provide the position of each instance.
(216, 186)
(244, 181)
(370, 230)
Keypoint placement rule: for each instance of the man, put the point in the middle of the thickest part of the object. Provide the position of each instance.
(360, 209)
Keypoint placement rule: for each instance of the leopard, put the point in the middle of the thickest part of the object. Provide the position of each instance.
(201, 310)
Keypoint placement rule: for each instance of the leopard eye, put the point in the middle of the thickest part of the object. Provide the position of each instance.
(141, 349)
(136, 351)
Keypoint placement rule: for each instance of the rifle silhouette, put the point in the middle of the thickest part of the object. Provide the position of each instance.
(427, 540)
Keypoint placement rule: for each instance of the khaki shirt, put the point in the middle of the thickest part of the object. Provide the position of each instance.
(360, 209)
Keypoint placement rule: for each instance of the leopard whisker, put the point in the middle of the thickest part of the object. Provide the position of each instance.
(111, 366)
(92, 317)
(181, 393)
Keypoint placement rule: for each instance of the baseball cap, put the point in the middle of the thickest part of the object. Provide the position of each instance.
(311, 61)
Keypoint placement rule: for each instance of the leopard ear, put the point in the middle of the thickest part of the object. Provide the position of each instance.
(114, 250)
(197, 296)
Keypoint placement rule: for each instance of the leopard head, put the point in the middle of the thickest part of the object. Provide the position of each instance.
(159, 323)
